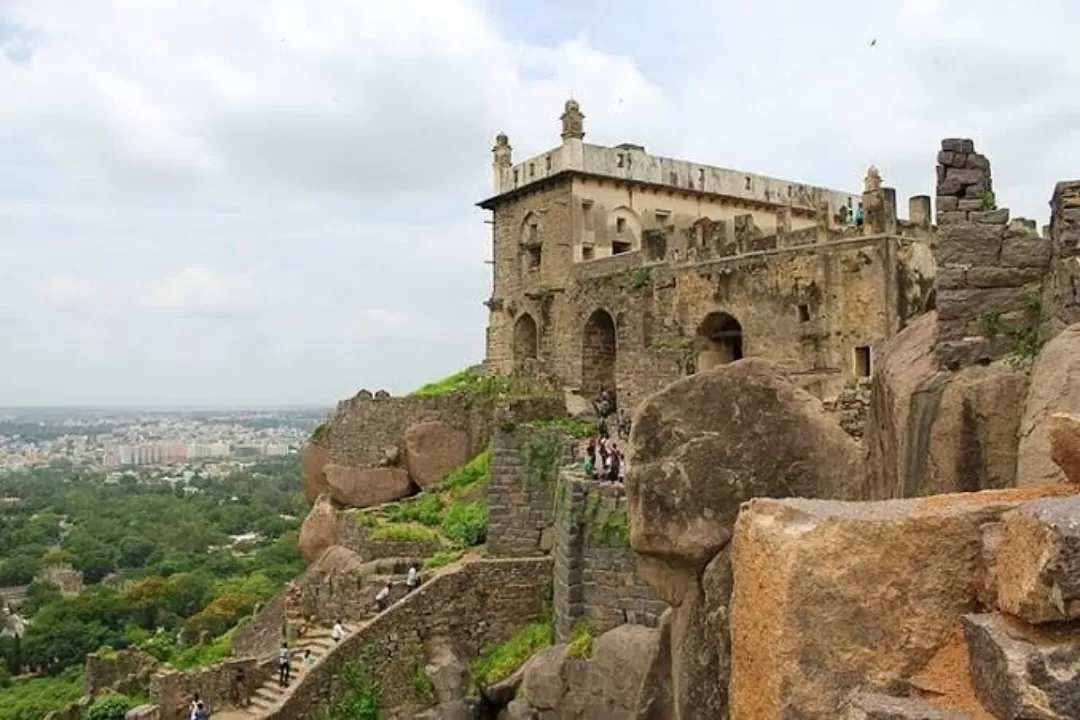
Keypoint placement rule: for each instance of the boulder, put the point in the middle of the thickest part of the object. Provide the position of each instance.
(933, 432)
(1064, 431)
(543, 686)
(1039, 559)
(319, 530)
(449, 676)
(833, 597)
(699, 449)
(432, 450)
(312, 474)
(579, 408)
(874, 706)
(519, 710)
(450, 710)
(1024, 672)
(1055, 388)
(363, 487)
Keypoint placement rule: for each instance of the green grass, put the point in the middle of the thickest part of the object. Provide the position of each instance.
(441, 559)
(571, 426)
(474, 383)
(34, 698)
(465, 524)
(471, 475)
(425, 509)
(580, 647)
(405, 532)
(500, 662)
(200, 656)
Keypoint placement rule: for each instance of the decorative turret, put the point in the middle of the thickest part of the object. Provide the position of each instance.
(573, 121)
(873, 179)
(500, 160)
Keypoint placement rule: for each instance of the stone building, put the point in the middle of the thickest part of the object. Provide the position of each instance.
(614, 268)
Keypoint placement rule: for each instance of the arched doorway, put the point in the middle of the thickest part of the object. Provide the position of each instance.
(718, 341)
(598, 354)
(525, 339)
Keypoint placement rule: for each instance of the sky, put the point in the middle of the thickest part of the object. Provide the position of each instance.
(263, 202)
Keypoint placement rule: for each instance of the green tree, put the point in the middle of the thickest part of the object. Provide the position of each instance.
(19, 570)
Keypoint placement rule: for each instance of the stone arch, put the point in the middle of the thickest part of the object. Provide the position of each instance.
(526, 339)
(718, 340)
(624, 229)
(598, 354)
(530, 244)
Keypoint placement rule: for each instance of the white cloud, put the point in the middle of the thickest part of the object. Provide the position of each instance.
(199, 288)
(381, 319)
(64, 289)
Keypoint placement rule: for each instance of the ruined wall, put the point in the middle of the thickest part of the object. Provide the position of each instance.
(595, 575)
(126, 671)
(521, 493)
(172, 690)
(990, 270)
(1063, 291)
(262, 634)
(478, 606)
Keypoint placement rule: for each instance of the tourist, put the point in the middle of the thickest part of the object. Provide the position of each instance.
(614, 463)
(201, 713)
(412, 579)
(622, 468)
(338, 633)
(590, 465)
(196, 702)
(860, 215)
(237, 693)
(382, 598)
(624, 425)
(284, 664)
(309, 660)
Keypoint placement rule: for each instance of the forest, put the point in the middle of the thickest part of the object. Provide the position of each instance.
(170, 566)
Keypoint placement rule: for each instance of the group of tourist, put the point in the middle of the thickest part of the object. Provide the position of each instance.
(603, 458)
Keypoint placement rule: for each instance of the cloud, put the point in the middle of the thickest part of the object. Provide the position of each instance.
(199, 288)
(283, 181)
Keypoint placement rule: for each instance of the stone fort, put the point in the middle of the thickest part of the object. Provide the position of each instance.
(615, 268)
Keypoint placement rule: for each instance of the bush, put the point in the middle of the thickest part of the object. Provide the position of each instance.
(442, 559)
(500, 662)
(469, 475)
(110, 706)
(34, 698)
(580, 647)
(426, 510)
(465, 524)
(404, 532)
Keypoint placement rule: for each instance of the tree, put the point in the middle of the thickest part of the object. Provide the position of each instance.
(135, 551)
(19, 570)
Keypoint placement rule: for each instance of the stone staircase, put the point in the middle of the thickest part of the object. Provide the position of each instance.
(269, 694)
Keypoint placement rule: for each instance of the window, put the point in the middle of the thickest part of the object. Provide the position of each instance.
(804, 313)
(532, 170)
(621, 246)
(674, 178)
(587, 214)
(619, 160)
(701, 178)
(662, 217)
(532, 257)
(534, 232)
(749, 183)
(588, 252)
(547, 163)
(620, 225)
(515, 176)
(862, 361)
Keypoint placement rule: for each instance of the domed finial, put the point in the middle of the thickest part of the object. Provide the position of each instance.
(873, 180)
(502, 150)
(573, 121)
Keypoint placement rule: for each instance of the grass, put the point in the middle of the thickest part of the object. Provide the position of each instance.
(500, 662)
(405, 532)
(580, 646)
(33, 698)
(200, 656)
(465, 524)
(424, 509)
(472, 382)
(570, 426)
(442, 559)
(471, 475)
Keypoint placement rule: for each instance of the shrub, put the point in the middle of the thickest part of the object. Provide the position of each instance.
(469, 475)
(500, 662)
(404, 532)
(110, 706)
(426, 510)
(442, 559)
(580, 647)
(361, 701)
(465, 524)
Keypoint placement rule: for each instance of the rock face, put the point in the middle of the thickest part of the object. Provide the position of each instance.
(873, 706)
(699, 449)
(319, 530)
(603, 687)
(1055, 388)
(1065, 444)
(1024, 672)
(833, 597)
(312, 475)
(433, 449)
(364, 487)
(934, 432)
(1039, 561)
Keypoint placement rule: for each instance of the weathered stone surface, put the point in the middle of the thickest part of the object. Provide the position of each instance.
(971, 243)
(143, 712)
(991, 217)
(1039, 561)
(831, 597)
(433, 449)
(543, 685)
(1055, 378)
(519, 710)
(312, 475)
(364, 487)
(448, 674)
(873, 706)
(319, 530)
(450, 710)
(975, 302)
(993, 277)
(1028, 251)
(1065, 444)
(579, 408)
(1024, 672)
(947, 203)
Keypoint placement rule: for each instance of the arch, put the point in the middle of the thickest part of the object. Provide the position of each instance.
(526, 339)
(531, 246)
(624, 229)
(598, 354)
(719, 340)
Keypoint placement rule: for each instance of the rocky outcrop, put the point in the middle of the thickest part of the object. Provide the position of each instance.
(365, 487)
(835, 597)
(312, 473)
(699, 449)
(601, 687)
(875, 706)
(320, 529)
(1055, 388)
(1065, 444)
(433, 449)
(1020, 671)
(933, 431)
(1038, 561)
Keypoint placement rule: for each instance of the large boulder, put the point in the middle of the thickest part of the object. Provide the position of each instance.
(933, 432)
(312, 473)
(1055, 388)
(875, 706)
(1065, 444)
(1038, 557)
(433, 449)
(833, 597)
(699, 449)
(319, 530)
(363, 487)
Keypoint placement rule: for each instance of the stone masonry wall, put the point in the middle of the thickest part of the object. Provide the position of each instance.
(172, 690)
(990, 270)
(524, 463)
(126, 671)
(467, 610)
(1063, 292)
(595, 573)
(262, 635)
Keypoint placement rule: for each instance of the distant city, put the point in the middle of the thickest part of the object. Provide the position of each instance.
(114, 439)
